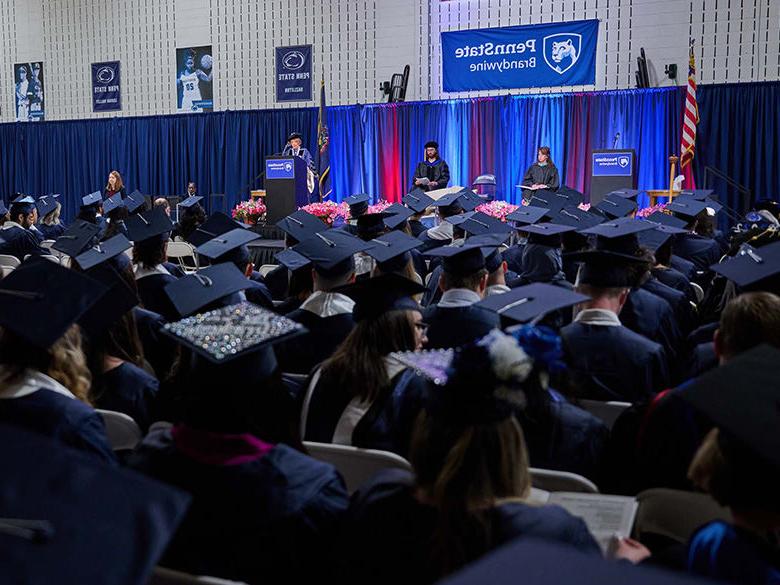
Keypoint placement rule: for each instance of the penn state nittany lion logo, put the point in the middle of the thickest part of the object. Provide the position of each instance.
(105, 75)
(293, 60)
(562, 50)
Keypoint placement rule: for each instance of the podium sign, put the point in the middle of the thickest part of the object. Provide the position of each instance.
(285, 186)
(611, 170)
(279, 168)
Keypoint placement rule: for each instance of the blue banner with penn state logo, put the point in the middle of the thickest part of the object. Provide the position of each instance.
(293, 73)
(106, 87)
(539, 55)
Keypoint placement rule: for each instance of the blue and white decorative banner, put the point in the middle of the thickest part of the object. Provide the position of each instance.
(106, 87)
(293, 73)
(539, 55)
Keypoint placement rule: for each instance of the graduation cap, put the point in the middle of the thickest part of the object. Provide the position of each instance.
(572, 196)
(94, 198)
(547, 229)
(227, 333)
(190, 201)
(698, 194)
(657, 237)
(391, 250)
(370, 225)
(196, 291)
(76, 238)
(712, 206)
(45, 204)
(491, 248)
(752, 267)
(300, 225)
(577, 218)
(22, 198)
(227, 242)
(148, 224)
(462, 260)
(527, 214)
(449, 204)
(39, 300)
(134, 201)
(687, 208)
(604, 268)
(460, 218)
(666, 219)
(398, 215)
(217, 224)
(332, 252)
(358, 204)
(619, 228)
(112, 203)
(103, 251)
(626, 193)
(616, 206)
(375, 296)
(64, 508)
(118, 300)
(531, 302)
(418, 201)
(548, 201)
(292, 260)
(469, 200)
(481, 223)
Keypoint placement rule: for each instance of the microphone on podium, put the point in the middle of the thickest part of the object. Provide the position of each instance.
(615, 141)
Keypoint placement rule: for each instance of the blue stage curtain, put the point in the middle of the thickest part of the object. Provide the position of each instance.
(374, 148)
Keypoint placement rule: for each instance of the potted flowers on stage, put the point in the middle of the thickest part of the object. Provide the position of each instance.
(249, 212)
(328, 211)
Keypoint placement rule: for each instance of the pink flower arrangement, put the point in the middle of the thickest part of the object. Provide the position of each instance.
(497, 209)
(379, 207)
(327, 211)
(648, 211)
(584, 206)
(249, 211)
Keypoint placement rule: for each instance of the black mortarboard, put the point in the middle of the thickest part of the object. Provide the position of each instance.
(292, 260)
(462, 260)
(616, 206)
(358, 204)
(619, 228)
(576, 217)
(195, 291)
(527, 214)
(76, 238)
(134, 201)
(548, 201)
(432, 144)
(417, 200)
(301, 225)
(572, 196)
(547, 229)
(491, 248)
(79, 520)
(480, 223)
(666, 219)
(375, 296)
(626, 193)
(148, 224)
(687, 208)
(604, 268)
(469, 200)
(227, 242)
(751, 267)
(118, 300)
(332, 252)
(370, 225)
(112, 203)
(217, 224)
(39, 300)
(460, 218)
(190, 201)
(655, 238)
(92, 199)
(449, 204)
(399, 214)
(526, 303)
(710, 203)
(698, 194)
(45, 204)
(294, 135)
(391, 250)
(103, 251)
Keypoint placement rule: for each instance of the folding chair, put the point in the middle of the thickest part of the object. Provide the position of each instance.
(561, 481)
(163, 576)
(47, 244)
(606, 411)
(675, 514)
(183, 253)
(356, 465)
(698, 292)
(266, 268)
(9, 261)
(121, 430)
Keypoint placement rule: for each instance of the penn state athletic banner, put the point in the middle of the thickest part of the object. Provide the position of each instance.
(106, 87)
(293, 73)
(539, 55)
(194, 79)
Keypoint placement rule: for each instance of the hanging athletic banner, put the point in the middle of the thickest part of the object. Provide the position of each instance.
(106, 90)
(194, 67)
(28, 92)
(293, 73)
(539, 55)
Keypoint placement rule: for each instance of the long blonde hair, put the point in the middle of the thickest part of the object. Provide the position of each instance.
(119, 182)
(53, 217)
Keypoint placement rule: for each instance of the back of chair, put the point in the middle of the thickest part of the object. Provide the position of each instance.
(46, 244)
(10, 261)
(561, 481)
(163, 576)
(121, 430)
(698, 292)
(183, 253)
(675, 514)
(266, 268)
(606, 411)
(356, 465)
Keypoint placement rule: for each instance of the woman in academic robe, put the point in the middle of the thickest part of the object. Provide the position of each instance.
(114, 185)
(542, 175)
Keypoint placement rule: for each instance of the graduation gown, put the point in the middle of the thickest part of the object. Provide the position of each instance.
(437, 171)
(151, 291)
(703, 252)
(278, 282)
(683, 266)
(677, 280)
(18, 241)
(652, 317)
(541, 175)
(455, 326)
(130, 390)
(683, 311)
(260, 513)
(417, 227)
(388, 532)
(51, 232)
(159, 350)
(513, 256)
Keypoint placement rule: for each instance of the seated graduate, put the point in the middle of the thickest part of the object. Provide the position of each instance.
(432, 172)
(542, 175)
(44, 379)
(192, 216)
(542, 260)
(358, 205)
(738, 465)
(608, 360)
(418, 202)
(300, 286)
(163, 202)
(116, 214)
(149, 232)
(572, 241)
(433, 291)
(454, 321)
(362, 395)
(5, 215)
(326, 314)
(262, 510)
(115, 355)
(410, 264)
(49, 225)
(91, 211)
(471, 481)
(136, 203)
(441, 234)
(700, 250)
(17, 238)
(663, 248)
(114, 185)
(523, 216)
(369, 226)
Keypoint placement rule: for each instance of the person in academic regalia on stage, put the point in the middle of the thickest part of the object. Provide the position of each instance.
(49, 225)
(432, 172)
(44, 379)
(362, 395)
(542, 176)
(16, 237)
(262, 511)
(114, 186)
(192, 216)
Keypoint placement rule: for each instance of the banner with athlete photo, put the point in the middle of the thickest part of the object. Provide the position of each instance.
(28, 87)
(106, 90)
(194, 89)
(293, 74)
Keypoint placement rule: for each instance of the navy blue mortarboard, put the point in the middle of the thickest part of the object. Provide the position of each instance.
(493, 255)
(687, 208)
(616, 206)
(460, 218)
(370, 225)
(149, 224)
(301, 225)
(227, 242)
(548, 201)
(418, 201)
(626, 193)
(190, 201)
(92, 199)
(399, 214)
(216, 225)
(572, 196)
(134, 201)
(618, 228)
(753, 268)
(332, 252)
(449, 204)
(103, 251)
(391, 250)
(196, 291)
(112, 203)
(77, 237)
(469, 200)
(22, 198)
(698, 194)
(40, 300)
(292, 260)
(657, 237)
(577, 218)
(3, 208)
(481, 223)
(462, 260)
(547, 229)
(46, 204)
(711, 204)
(526, 303)
(118, 300)
(604, 268)
(527, 214)
(61, 508)
(358, 204)
(375, 296)
(666, 219)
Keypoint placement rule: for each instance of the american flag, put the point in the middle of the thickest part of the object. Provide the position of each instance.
(690, 115)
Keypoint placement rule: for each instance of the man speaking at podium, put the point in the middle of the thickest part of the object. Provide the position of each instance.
(433, 172)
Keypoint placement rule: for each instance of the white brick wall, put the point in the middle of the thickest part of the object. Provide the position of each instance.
(356, 44)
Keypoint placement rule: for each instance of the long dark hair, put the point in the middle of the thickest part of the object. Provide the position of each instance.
(150, 252)
(191, 220)
(117, 219)
(546, 151)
